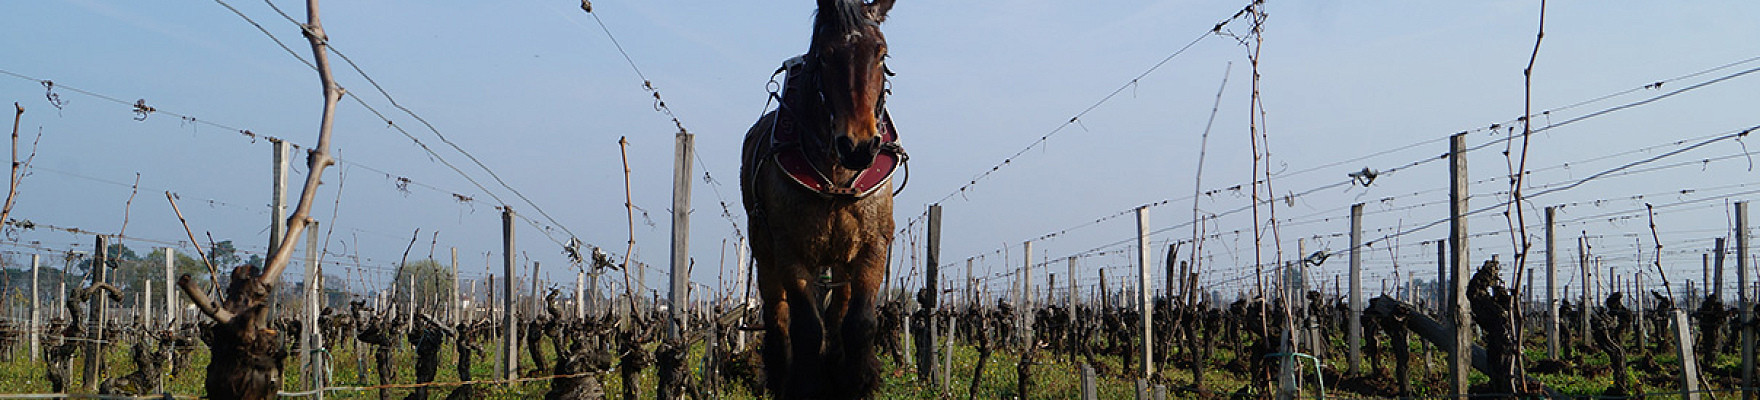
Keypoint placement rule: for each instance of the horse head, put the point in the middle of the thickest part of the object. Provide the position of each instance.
(848, 59)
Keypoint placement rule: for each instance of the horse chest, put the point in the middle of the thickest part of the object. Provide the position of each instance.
(825, 231)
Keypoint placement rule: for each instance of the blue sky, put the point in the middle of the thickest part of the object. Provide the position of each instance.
(538, 93)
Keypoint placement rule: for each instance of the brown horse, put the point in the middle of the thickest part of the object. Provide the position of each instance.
(816, 177)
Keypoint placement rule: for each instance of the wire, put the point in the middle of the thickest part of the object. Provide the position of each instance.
(660, 105)
(1100, 250)
(1491, 127)
(437, 157)
(403, 180)
(1078, 116)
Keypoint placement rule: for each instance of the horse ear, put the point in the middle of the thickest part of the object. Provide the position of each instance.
(877, 10)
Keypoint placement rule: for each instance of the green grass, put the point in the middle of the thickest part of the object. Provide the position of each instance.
(1058, 377)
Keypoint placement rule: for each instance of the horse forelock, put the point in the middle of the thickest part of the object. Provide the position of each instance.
(839, 20)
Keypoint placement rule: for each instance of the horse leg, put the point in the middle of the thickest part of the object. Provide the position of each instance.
(859, 369)
(776, 340)
(806, 336)
(836, 307)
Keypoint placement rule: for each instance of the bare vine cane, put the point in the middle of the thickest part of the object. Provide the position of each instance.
(246, 356)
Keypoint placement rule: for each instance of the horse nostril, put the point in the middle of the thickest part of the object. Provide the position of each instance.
(855, 156)
(845, 146)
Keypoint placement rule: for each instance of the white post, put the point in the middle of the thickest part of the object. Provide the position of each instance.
(580, 294)
(146, 306)
(739, 251)
(411, 307)
(170, 293)
(455, 310)
(1146, 308)
(36, 316)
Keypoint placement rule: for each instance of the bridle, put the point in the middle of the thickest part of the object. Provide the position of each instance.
(794, 150)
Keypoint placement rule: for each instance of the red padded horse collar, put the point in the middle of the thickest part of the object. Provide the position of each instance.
(792, 156)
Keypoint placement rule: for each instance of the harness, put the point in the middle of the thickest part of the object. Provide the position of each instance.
(794, 151)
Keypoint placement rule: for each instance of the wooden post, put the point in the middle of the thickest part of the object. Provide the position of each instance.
(510, 327)
(947, 355)
(1717, 252)
(1169, 285)
(1024, 301)
(1692, 302)
(1185, 287)
(1742, 289)
(313, 367)
(277, 208)
(580, 294)
(1290, 343)
(1637, 286)
(1551, 286)
(739, 252)
(1527, 282)
(1089, 389)
(929, 297)
(1050, 286)
(1441, 280)
(99, 308)
(36, 317)
(1588, 288)
(410, 306)
(489, 310)
(1353, 343)
(1683, 335)
(681, 232)
(1612, 280)
(1460, 358)
(1145, 308)
(1070, 305)
(533, 308)
(1696, 292)
(1104, 292)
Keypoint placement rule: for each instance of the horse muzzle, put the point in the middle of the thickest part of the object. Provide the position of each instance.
(856, 156)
